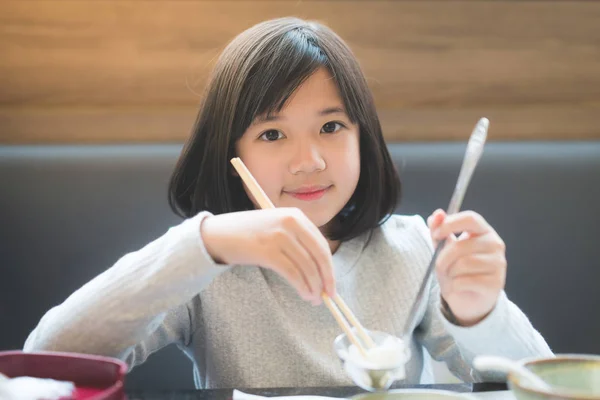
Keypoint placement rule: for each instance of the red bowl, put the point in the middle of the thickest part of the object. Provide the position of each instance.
(95, 377)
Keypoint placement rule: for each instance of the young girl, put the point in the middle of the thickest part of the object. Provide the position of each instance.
(239, 288)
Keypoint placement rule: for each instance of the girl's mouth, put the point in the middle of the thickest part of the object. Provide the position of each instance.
(309, 193)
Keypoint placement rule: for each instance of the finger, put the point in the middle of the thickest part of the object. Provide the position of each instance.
(480, 284)
(302, 260)
(464, 236)
(449, 239)
(465, 221)
(477, 264)
(460, 248)
(323, 263)
(433, 222)
(317, 235)
(436, 218)
(286, 268)
(318, 249)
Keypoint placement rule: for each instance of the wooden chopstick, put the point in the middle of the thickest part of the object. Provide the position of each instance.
(265, 203)
(259, 195)
(354, 321)
(343, 324)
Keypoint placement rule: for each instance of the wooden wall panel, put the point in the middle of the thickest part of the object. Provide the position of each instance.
(128, 71)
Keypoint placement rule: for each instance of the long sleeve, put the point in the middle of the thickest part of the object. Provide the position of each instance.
(506, 332)
(138, 305)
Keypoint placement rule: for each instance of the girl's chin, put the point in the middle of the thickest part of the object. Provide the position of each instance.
(324, 222)
(318, 214)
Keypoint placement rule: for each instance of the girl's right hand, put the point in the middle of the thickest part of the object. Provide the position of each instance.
(281, 239)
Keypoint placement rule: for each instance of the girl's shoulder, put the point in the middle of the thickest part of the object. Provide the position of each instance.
(406, 230)
(400, 223)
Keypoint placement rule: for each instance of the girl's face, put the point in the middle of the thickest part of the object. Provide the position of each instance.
(308, 155)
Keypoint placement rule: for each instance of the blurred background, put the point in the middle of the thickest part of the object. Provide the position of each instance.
(115, 71)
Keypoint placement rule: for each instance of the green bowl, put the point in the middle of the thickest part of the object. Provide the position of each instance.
(414, 394)
(574, 377)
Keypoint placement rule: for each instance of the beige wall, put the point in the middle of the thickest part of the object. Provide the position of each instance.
(118, 71)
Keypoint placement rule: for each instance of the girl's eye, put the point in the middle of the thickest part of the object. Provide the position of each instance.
(271, 135)
(331, 127)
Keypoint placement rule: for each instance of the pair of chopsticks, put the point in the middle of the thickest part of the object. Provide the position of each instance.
(264, 202)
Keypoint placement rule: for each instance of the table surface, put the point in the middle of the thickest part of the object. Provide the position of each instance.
(341, 392)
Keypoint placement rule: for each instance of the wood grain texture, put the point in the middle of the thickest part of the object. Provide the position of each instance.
(130, 71)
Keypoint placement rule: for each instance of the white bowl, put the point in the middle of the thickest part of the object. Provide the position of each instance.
(369, 376)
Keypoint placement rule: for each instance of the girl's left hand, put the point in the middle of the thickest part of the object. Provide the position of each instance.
(471, 269)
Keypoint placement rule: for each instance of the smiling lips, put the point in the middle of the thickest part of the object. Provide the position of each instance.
(309, 193)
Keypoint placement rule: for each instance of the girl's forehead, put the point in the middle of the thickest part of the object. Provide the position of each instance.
(320, 80)
(319, 91)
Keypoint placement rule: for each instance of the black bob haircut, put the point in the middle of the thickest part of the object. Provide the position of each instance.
(255, 75)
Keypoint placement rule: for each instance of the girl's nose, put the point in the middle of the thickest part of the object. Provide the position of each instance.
(307, 158)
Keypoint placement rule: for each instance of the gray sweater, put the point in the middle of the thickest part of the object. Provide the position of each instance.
(244, 326)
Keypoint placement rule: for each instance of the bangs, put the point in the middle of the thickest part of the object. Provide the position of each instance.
(267, 89)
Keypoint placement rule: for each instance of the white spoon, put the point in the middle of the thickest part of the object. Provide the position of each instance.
(494, 363)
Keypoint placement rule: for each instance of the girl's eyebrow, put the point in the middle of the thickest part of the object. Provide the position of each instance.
(332, 110)
(274, 117)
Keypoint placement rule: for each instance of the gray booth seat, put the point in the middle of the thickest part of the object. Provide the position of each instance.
(69, 212)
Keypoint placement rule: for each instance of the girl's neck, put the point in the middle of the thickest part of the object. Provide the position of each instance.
(334, 245)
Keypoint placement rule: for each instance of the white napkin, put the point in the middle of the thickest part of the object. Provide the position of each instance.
(239, 395)
(28, 388)
(496, 395)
